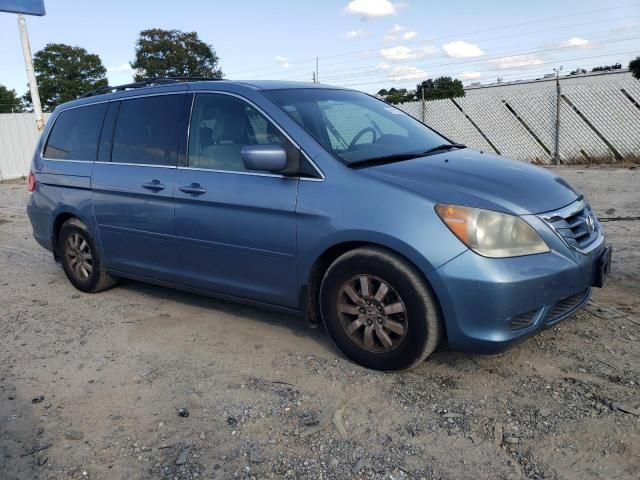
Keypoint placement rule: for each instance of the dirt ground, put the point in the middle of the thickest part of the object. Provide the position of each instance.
(91, 385)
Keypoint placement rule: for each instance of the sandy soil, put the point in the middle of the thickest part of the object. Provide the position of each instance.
(109, 373)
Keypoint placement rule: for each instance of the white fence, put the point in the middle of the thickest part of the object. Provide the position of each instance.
(18, 138)
(599, 118)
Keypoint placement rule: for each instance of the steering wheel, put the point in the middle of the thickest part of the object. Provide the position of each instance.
(361, 133)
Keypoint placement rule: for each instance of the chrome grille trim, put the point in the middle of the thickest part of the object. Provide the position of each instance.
(576, 225)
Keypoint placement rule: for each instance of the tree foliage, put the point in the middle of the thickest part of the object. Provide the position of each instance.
(434, 89)
(441, 87)
(607, 68)
(9, 101)
(634, 66)
(173, 53)
(395, 96)
(64, 72)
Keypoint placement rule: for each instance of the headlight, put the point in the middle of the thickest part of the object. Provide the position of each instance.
(491, 234)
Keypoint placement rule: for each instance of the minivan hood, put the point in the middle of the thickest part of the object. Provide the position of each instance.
(475, 179)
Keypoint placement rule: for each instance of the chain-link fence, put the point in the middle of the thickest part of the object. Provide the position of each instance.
(599, 121)
(599, 118)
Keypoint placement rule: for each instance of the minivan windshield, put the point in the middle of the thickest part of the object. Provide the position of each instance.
(357, 128)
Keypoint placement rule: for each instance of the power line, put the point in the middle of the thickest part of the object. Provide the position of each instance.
(356, 52)
(553, 62)
(501, 37)
(470, 63)
(533, 71)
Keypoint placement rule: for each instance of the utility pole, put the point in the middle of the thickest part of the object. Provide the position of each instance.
(423, 104)
(556, 158)
(316, 77)
(28, 61)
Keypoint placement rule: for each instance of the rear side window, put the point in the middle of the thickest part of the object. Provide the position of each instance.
(146, 130)
(75, 134)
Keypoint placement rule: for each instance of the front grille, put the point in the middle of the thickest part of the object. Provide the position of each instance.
(524, 320)
(566, 305)
(576, 224)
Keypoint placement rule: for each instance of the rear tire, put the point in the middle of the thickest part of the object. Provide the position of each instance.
(378, 310)
(81, 260)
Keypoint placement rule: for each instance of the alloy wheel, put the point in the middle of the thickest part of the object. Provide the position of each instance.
(79, 256)
(372, 313)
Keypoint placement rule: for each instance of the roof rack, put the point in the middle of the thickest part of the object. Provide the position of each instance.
(147, 82)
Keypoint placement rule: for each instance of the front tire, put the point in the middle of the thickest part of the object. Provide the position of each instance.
(378, 310)
(81, 260)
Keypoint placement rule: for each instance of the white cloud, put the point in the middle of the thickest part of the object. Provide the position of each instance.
(515, 61)
(460, 49)
(283, 61)
(471, 75)
(576, 42)
(124, 67)
(367, 9)
(401, 52)
(403, 72)
(356, 33)
(398, 31)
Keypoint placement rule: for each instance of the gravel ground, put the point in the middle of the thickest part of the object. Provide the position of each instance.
(92, 386)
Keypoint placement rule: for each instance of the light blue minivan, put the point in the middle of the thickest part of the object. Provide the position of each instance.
(313, 200)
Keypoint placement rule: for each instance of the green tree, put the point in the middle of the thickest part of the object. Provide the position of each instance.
(634, 66)
(64, 72)
(441, 87)
(9, 101)
(172, 53)
(396, 95)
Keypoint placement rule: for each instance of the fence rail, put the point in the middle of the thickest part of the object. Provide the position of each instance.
(599, 121)
(599, 118)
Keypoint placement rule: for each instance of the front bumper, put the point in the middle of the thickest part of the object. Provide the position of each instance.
(489, 304)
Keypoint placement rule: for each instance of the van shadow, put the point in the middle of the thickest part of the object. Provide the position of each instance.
(442, 358)
(298, 325)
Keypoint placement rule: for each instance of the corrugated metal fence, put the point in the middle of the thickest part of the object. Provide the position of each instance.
(599, 118)
(18, 138)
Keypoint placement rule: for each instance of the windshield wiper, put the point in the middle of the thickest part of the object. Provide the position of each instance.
(444, 148)
(405, 156)
(386, 159)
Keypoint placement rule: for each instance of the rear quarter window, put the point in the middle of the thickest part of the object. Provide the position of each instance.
(75, 134)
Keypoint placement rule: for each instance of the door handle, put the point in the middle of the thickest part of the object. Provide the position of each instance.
(193, 189)
(153, 185)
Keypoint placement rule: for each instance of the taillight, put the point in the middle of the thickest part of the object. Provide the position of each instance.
(31, 182)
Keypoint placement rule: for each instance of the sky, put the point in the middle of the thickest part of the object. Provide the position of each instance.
(361, 44)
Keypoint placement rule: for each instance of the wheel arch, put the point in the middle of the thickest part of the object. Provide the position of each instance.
(59, 218)
(311, 290)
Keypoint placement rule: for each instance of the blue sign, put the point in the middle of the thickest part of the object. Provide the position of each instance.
(28, 7)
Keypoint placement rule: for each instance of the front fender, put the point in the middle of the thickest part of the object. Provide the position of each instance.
(309, 257)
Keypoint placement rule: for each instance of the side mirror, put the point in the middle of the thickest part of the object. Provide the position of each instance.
(270, 158)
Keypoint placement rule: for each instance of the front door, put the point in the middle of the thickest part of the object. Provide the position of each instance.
(236, 229)
(132, 186)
